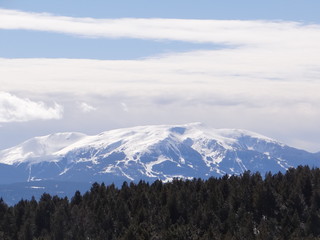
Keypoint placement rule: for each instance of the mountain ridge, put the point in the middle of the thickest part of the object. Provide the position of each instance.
(149, 153)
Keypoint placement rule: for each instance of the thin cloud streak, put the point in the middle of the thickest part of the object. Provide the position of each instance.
(231, 32)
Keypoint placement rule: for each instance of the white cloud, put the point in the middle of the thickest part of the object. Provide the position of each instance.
(15, 109)
(124, 107)
(86, 108)
(232, 32)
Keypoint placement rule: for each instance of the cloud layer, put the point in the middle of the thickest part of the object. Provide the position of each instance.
(14, 109)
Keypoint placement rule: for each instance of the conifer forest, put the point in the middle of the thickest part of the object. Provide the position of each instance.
(250, 206)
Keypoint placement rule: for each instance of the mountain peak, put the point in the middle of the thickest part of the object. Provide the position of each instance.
(153, 152)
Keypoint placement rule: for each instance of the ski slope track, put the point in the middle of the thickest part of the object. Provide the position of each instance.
(148, 153)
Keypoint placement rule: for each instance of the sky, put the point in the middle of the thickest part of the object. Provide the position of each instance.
(92, 66)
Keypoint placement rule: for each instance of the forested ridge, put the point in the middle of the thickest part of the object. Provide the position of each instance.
(279, 206)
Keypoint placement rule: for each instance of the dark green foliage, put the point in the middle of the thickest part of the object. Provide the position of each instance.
(280, 206)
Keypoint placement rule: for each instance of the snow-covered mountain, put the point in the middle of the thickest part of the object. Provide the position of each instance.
(148, 153)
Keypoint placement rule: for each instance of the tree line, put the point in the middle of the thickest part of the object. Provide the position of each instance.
(275, 206)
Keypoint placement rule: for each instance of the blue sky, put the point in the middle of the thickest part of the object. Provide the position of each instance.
(296, 10)
(91, 66)
(35, 44)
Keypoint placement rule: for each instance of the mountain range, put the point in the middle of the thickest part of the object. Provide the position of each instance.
(142, 153)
